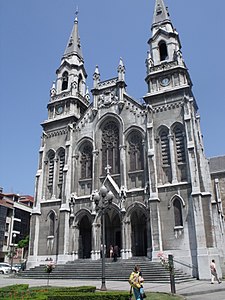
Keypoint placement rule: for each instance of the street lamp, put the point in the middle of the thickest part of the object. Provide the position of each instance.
(13, 245)
(102, 200)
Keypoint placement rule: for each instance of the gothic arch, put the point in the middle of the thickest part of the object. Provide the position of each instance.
(170, 202)
(135, 150)
(85, 160)
(80, 85)
(177, 202)
(139, 220)
(65, 79)
(84, 222)
(51, 218)
(49, 172)
(108, 140)
(163, 51)
(179, 149)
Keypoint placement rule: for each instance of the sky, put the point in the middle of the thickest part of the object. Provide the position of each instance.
(34, 35)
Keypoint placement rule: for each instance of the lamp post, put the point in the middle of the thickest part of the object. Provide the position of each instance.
(103, 199)
(13, 245)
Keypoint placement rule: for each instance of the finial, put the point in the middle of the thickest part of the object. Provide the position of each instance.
(76, 13)
(96, 70)
(121, 62)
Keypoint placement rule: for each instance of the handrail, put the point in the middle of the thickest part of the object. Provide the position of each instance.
(186, 265)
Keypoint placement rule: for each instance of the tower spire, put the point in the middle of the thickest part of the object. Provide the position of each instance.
(160, 13)
(73, 46)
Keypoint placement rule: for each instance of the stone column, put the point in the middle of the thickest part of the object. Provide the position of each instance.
(155, 227)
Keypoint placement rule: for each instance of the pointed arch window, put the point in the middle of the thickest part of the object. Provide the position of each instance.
(179, 145)
(163, 51)
(165, 150)
(61, 162)
(135, 151)
(110, 147)
(51, 157)
(86, 162)
(80, 84)
(65, 81)
(178, 219)
(51, 224)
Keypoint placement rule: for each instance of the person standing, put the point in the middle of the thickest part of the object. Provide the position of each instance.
(115, 253)
(213, 272)
(111, 251)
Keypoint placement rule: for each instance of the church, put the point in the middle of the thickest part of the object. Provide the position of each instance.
(140, 165)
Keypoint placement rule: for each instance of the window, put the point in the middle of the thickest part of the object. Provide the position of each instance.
(179, 144)
(163, 51)
(52, 224)
(110, 147)
(86, 162)
(61, 166)
(177, 212)
(65, 81)
(135, 151)
(165, 150)
(80, 84)
(51, 157)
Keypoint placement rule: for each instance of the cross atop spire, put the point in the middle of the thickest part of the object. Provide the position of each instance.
(160, 13)
(73, 46)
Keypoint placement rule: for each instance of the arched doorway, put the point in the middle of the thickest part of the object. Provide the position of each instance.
(138, 233)
(113, 229)
(84, 250)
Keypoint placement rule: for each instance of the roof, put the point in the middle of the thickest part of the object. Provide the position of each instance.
(217, 164)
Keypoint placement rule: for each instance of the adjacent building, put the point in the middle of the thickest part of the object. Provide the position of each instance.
(150, 156)
(15, 214)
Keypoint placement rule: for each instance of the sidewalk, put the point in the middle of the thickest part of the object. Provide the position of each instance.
(194, 287)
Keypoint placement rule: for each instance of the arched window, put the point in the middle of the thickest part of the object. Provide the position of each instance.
(163, 51)
(179, 144)
(51, 157)
(165, 150)
(52, 224)
(61, 161)
(135, 151)
(177, 212)
(80, 84)
(86, 162)
(110, 147)
(65, 81)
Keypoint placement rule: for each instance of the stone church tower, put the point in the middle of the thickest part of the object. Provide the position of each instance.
(149, 156)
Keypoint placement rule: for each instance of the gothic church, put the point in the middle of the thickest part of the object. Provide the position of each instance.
(149, 156)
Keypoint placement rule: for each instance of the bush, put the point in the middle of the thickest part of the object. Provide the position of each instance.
(90, 296)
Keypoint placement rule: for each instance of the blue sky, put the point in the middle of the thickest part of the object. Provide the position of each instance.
(33, 37)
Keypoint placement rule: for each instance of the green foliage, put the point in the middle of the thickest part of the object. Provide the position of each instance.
(23, 292)
(23, 243)
(89, 296)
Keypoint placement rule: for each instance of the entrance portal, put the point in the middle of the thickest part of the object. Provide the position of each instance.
(84, 250)
(139, 233)
(113, 229)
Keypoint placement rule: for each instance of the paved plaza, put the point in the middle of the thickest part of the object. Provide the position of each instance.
(192, 290)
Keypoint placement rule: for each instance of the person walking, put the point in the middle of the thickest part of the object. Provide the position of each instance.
(136, 281)
(214, 272)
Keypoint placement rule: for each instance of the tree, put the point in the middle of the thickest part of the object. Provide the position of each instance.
(24, 243)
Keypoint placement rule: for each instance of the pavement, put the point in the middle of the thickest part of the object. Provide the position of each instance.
(194, 289)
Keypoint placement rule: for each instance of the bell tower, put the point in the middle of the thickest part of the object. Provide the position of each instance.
(69, 97)
(166, 70)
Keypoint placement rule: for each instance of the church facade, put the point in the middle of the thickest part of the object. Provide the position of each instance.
(149, 156)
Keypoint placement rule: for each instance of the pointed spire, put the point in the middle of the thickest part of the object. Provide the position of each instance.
(73, 45)
(121, 70)
(160, 13)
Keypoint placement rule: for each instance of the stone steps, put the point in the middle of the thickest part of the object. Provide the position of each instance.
(120, 271)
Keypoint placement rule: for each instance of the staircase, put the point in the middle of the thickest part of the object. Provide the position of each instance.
(120, 271)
